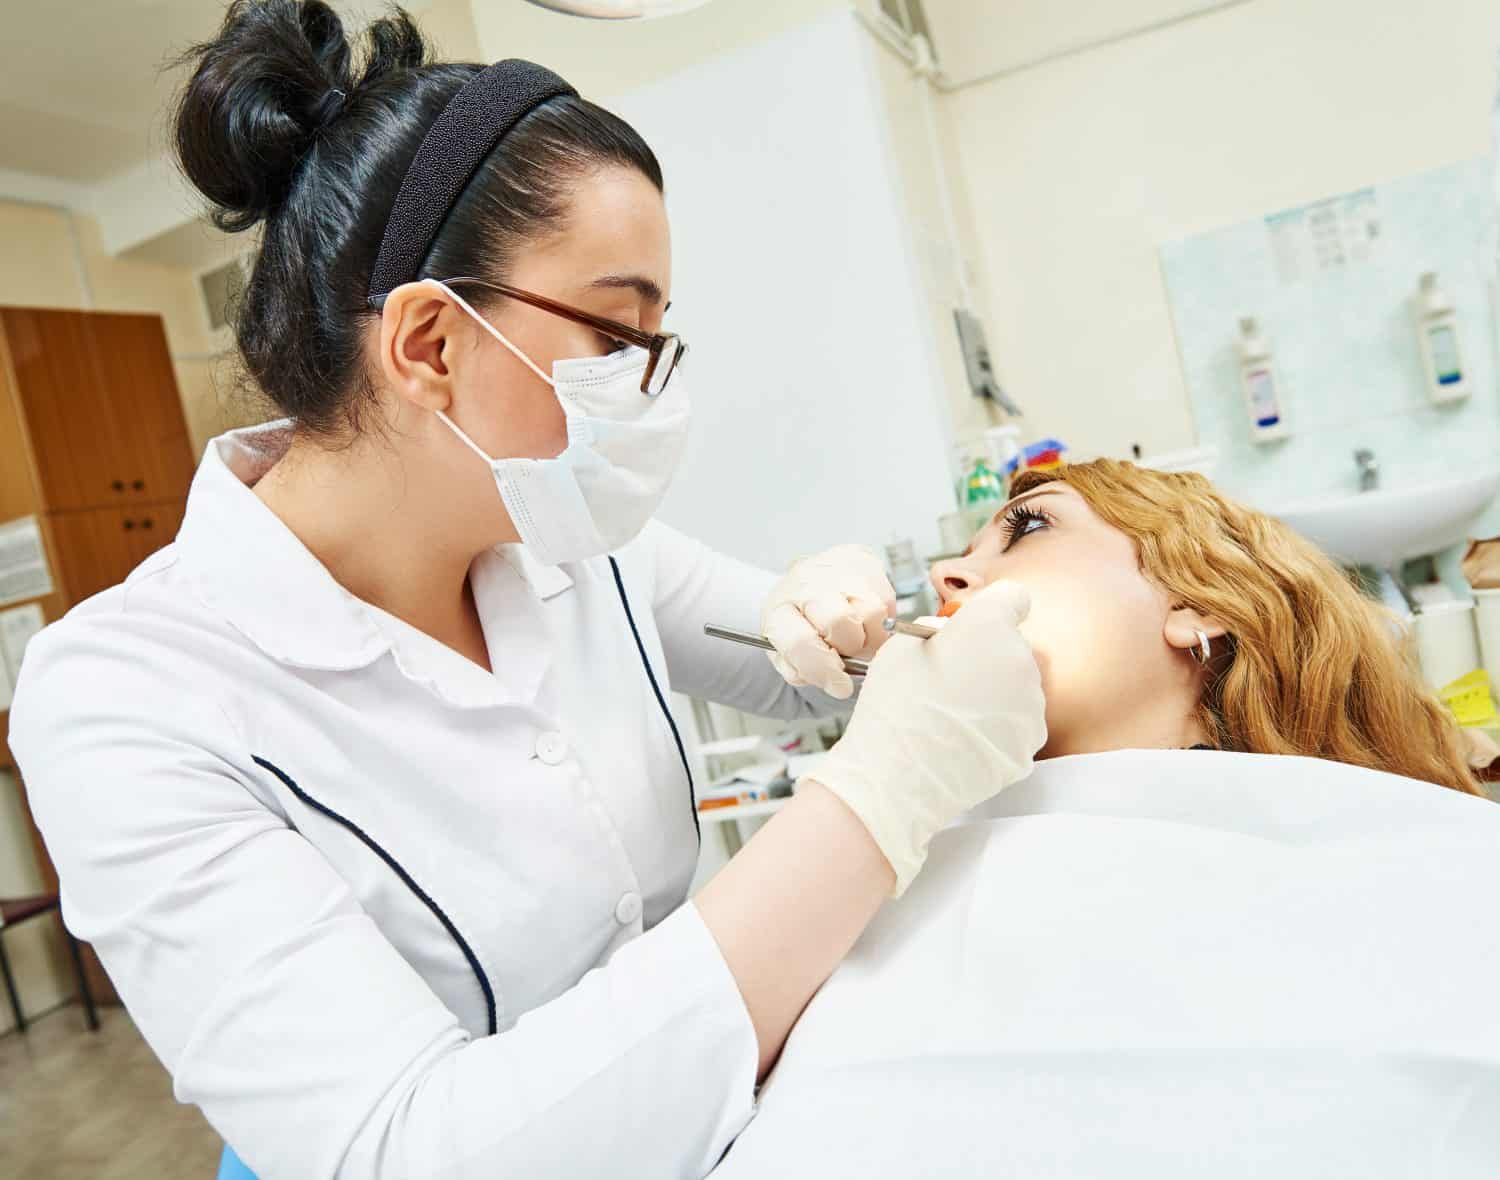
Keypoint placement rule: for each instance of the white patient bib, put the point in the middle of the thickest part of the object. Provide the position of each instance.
(1164, 964)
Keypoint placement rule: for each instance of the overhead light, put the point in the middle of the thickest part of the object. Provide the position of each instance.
(619, 9)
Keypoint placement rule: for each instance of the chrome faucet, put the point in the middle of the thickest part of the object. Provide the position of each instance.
(1369, 469)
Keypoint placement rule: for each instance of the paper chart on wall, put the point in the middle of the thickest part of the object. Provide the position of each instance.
(23, 562)
(1329, 235)
(17, 627)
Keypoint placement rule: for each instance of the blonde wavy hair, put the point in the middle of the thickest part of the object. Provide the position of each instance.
(1311, 665)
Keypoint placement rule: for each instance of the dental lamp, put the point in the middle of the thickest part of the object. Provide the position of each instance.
(619, 9)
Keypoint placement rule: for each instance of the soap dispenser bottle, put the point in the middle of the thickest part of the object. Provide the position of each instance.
(981, 489)
(1259, 379)
(1437, 334)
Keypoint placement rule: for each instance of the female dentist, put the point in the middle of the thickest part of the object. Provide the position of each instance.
(365, 790)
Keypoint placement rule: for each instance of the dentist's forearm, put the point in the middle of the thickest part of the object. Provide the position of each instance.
(788, 907)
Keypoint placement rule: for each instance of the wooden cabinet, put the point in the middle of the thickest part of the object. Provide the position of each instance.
(154, 524)
(154, 459)
(93, 545)
(98, 397)
(94, 444)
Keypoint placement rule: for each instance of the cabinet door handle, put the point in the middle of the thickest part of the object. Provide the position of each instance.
(129, 524)
(146, 524)
(118, 485)
(138, 484)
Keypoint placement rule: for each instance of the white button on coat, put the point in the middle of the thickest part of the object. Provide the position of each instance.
(228, 755)
(552, 748)
(628, 909)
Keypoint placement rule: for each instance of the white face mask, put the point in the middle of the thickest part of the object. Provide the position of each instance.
(623, 450)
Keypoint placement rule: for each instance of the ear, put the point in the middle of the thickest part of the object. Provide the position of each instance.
(416, 338)
(1183, 624)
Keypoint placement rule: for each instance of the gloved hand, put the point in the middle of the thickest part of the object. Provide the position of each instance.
(942, 724)
(824, 609)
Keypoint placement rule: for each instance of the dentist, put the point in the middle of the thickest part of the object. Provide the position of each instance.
(366, 790)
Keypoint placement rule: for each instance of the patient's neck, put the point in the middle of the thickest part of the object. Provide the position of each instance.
(1153, 725)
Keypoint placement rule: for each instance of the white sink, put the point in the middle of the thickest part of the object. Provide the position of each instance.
(1385, 527)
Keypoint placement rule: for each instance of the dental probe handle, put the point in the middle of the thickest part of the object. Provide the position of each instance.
(853, 667)
(897, 627)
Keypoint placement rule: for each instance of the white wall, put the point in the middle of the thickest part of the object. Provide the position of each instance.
(819, 402)
(939, 233)
(1078, 169)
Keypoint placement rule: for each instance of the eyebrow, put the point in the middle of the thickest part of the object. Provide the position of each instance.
(1050, 489)
(646, 287)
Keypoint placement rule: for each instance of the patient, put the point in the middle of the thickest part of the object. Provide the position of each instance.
(1227, 927)
(1136, 574)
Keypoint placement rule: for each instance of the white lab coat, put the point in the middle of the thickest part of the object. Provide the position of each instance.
(1165, 965)
(323, 857)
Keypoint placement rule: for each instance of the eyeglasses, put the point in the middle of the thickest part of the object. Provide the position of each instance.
(666, 349)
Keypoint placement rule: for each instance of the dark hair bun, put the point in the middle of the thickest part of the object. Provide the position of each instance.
(261, 92)
(280, 123)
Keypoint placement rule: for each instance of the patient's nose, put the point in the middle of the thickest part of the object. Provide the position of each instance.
(955, 578)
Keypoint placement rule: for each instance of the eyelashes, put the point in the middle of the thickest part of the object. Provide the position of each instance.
(1021, 521)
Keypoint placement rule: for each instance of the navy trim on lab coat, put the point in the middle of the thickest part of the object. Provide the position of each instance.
(370, 843)
(660, 699)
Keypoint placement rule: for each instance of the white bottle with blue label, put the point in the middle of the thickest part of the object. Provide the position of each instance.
(1260, 382)
(1437, 335)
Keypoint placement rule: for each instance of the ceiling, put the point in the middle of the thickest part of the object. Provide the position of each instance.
(85, 84)
(977, 39)
(82, 88)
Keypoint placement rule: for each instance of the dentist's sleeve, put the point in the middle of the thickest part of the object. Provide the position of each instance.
(695, 585)
(282, 1011)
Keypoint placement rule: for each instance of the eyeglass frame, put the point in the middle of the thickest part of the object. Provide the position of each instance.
(653, 342)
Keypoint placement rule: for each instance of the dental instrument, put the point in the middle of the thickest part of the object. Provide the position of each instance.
(852, 667)
(916, 630)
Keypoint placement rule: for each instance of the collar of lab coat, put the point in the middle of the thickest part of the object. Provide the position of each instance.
(254, 572)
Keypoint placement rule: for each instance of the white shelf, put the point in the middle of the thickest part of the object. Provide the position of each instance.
(729, 746)
(719, 815)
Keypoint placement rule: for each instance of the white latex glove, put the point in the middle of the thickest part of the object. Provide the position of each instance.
(942, 724)
(824, 609)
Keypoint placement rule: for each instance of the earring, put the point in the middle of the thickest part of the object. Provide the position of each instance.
(1204, 652)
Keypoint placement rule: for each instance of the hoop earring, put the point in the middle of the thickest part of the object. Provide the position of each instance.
(1204, 653)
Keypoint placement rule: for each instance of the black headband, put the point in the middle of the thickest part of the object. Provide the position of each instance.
(473, 122)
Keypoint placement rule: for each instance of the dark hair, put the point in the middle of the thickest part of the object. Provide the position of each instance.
(278, 125)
